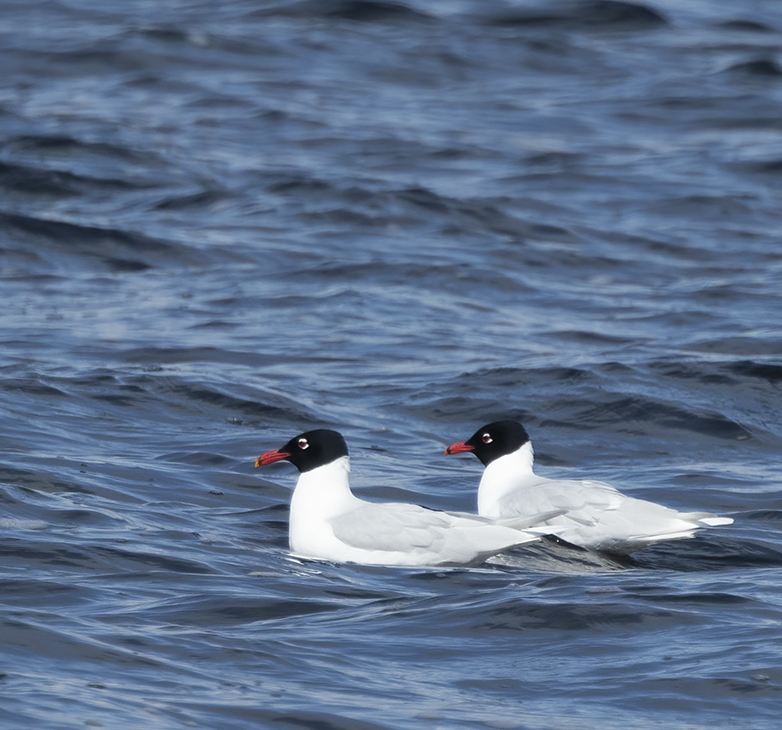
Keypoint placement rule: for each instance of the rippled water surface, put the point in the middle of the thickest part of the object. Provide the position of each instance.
(222, 224)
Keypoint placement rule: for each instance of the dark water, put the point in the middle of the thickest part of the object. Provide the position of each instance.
(225, 223)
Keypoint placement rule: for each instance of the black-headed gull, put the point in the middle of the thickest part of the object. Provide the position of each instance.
(594, 515)
(328, 522)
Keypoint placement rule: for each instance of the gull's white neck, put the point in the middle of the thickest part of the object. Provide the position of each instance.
(323, 492)
(320, 495)
(502, 476)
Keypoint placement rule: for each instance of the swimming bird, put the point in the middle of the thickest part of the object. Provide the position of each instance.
(593, 515)
(328, 522)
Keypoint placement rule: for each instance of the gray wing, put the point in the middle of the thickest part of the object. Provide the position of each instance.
(391, 527)
(581, 501)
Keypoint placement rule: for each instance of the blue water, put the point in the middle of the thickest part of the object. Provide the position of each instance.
(222, 224)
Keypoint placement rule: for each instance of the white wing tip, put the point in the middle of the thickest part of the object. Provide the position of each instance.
(716, 521)
(556, 530)
(704, 519)
(527, 537)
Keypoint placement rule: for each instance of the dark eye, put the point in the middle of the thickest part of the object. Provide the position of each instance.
(304, 444)
(486, 438)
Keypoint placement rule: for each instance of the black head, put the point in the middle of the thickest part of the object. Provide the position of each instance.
(493, 441)
(308, 450)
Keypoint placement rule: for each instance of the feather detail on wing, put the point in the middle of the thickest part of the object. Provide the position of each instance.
(390, 526)
(416, 535)
(580, 500)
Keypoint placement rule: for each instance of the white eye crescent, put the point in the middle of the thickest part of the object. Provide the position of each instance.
(486, 438)
(303, 444)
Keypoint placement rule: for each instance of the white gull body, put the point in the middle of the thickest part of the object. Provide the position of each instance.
(586, 513)
(596, 515)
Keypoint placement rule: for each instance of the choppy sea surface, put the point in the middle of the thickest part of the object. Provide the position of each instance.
(222, 224)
